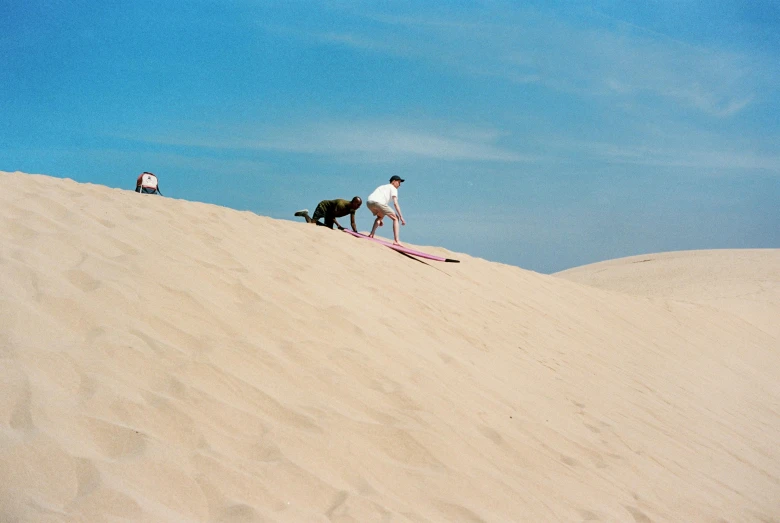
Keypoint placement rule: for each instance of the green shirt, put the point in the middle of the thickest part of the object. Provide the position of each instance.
(336, 208)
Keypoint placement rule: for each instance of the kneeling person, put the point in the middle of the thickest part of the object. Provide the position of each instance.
(329, 210)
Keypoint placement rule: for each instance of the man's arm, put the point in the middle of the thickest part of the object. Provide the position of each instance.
(352, 222)
(338, 225)
(398, 210)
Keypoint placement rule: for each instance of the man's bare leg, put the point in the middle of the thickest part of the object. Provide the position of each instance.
(377, 223)
(395, 229)
(305, 214)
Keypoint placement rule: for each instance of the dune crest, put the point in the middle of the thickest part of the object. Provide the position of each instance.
(161, 363)
(743, 282)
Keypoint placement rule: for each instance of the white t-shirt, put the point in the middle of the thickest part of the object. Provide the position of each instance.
(383, 194)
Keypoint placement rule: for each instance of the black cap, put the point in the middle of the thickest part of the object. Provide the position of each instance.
(396, 177)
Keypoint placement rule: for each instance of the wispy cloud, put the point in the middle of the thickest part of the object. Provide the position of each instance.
(715, 82)
(369, 141)
(702, 158)
(617, 60)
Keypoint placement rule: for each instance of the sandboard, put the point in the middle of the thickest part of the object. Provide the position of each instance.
(405, 250)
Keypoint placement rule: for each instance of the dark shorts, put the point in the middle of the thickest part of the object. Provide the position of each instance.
(321, 212)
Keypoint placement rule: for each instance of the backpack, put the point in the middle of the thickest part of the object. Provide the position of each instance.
(147, 181)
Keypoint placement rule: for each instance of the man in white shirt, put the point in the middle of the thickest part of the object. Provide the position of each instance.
(379, 205)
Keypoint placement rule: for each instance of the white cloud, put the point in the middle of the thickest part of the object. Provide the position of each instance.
(717, 159)
(529, 46)
(370, 141)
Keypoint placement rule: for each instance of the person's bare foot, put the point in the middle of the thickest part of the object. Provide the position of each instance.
(302, 212)
(397, 244)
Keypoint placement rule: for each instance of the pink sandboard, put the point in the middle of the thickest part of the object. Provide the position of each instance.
(405, 250)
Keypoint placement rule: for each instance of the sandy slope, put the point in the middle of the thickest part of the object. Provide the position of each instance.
(744, 282)
(165, 360)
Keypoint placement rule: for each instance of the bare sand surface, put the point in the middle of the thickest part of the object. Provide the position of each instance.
(166, 360)
(744, 282)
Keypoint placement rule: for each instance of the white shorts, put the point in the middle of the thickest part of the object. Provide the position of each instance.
(379, 209)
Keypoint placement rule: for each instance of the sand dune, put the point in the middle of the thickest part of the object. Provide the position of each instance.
(743, 282)
(165, 360)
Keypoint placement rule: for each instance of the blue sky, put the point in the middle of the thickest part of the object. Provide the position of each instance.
(540, 134)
